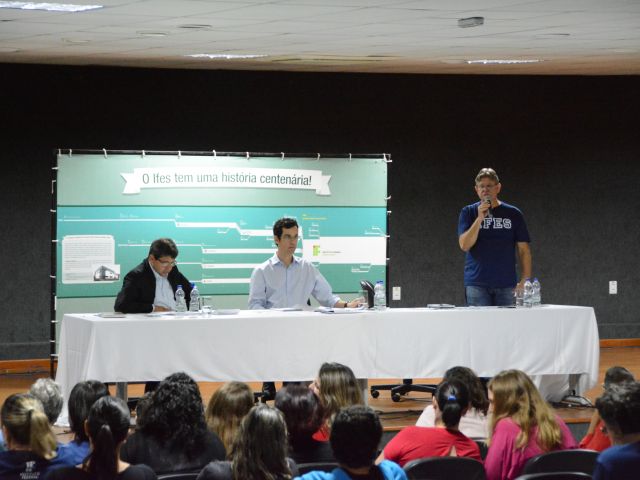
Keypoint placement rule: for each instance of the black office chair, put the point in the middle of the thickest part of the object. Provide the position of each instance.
(317, 466)
(563, 461)
(179, 476)
(555, 476)
(400, 389)
(484, 448)
(445, 468)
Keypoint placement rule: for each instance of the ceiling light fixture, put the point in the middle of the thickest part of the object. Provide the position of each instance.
(49, 7)
(470, 22)
(195, 26)
(223, 56)
(501, 62)
(151, 33)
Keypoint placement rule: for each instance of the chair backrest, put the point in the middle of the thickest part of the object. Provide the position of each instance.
(445, 468)
(563, 461)
(484, 448)
(179, 476)
(317, 466)
(555, 476)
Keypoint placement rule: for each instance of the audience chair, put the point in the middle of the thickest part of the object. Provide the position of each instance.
(555, 476)
(445, 468)
(563, 461)
(179, 476)
(400, 389)
(484, 448)
(317, 466)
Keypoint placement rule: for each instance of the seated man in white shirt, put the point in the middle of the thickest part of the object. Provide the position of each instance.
(286, 281)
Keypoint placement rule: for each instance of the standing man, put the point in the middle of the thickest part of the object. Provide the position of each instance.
(491, 232)
(288, 281)
(150, 287)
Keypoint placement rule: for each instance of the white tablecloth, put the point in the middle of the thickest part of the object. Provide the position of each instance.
(275, 345)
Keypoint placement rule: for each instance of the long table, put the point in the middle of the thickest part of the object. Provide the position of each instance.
(291, 345)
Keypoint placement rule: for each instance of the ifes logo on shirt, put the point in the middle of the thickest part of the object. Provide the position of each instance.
(496, 223)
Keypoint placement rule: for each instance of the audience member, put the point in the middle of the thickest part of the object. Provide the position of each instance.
(475, 422)
(173, 435)
(107, 427)
(522, 425)
(31, 445)
(596, 439)
(49, 394)
(304, 416)
(450, 402)
(355, 434)
(226, 409)
(259, 451)
(337, 387)
(619, 408)
(82, 397)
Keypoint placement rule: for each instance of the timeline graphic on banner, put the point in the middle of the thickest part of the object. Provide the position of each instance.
(220, 213)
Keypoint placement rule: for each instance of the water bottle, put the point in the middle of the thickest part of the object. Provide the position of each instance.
(536, 295)
(194, 304)
(181, 304)
(528, 293)
(379, 296)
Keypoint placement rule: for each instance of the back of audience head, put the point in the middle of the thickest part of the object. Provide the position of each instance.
(49, 394)
(302, 412)
(175, 415)
(26, 426)
(260, 448)
(617, 375)
(107, 426)
(619, 408)
(516, 397)
(82, 397)
(452, 401)
(477, 392)
(355, 434)
(226, 409)
(337, 387)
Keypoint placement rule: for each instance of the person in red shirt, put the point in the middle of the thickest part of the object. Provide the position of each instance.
(596, 439)
(450, 402)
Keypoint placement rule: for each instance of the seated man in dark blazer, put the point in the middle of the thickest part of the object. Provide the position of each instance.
(150, 287)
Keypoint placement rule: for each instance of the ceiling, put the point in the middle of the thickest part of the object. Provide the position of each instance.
(584, 37)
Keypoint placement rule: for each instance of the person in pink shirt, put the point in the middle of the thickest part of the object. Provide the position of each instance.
(450, 402)
(522, 425)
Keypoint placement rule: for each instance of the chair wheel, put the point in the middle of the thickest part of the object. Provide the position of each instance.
(375, 393)
(395, 397)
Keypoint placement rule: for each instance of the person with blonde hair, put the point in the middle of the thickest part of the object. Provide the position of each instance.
(337, 387)
(31, 445)
(226, 409)
(522, 425)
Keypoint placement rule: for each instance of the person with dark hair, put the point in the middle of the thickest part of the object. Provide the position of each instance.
(259, 450)
(82, 397)
(355, 434)
(490, 232)
(173, 435)
(49, 394)
(151, 286)
(475, 422)
(521, 426)
(304, 416)
(336, 387)
(289, 281)
(107, 426)
(31, 445)
(596, 439)
(450, 403)
(226, 409)
(619, 408)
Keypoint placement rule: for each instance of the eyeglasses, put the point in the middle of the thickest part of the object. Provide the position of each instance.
(171, 263)
(486, 187)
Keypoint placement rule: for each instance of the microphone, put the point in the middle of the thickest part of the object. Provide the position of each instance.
(487, 199)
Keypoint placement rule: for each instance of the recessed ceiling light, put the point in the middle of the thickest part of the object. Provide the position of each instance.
(195, 26)
(152, 33)
(223, 56)
(470, 22)
(76, 40)
(50, 7)
(501, 62)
